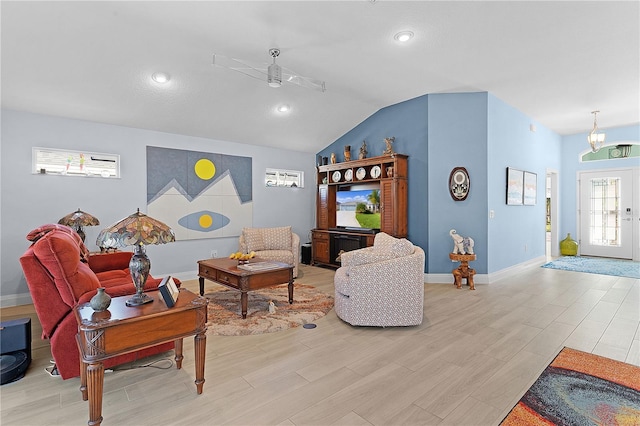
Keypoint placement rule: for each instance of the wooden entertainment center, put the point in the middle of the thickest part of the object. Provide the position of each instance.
(387, 171)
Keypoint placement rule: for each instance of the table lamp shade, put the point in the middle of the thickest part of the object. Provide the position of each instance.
(137, 230)
(77, 220)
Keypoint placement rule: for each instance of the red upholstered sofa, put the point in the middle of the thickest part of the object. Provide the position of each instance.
(61, 274)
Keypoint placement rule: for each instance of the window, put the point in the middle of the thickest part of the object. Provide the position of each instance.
(288, 178)
(74, 163)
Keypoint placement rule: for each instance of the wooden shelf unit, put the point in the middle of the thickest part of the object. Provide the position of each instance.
(393, 201)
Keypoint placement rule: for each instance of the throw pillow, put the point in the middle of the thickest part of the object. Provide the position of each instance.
(253, 239)
(277, 238)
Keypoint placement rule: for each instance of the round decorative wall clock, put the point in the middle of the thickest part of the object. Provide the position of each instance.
(459, 184)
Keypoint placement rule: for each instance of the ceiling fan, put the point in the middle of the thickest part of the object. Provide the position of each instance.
(274, 73)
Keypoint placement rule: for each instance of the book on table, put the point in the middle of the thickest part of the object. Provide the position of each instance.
(169, 291)
(260, 266)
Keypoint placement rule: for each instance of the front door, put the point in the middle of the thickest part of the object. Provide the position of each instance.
(606, 213)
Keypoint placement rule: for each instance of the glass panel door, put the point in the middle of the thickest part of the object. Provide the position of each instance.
(605, 214)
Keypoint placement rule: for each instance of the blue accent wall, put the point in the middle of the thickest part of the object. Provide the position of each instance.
(408, 123)
(483, 134)
(516, 233)
(457, 138)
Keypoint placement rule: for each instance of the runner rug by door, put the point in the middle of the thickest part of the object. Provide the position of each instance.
(596, 265)
(580, 388)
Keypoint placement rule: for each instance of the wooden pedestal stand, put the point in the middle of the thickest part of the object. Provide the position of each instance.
(463, 271)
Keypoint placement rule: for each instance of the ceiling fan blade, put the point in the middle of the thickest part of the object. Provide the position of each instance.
(259, 72)
(240, 66)
(309, 83)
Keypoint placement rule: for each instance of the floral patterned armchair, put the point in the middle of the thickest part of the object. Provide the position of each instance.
(382, 285)
(277, 244)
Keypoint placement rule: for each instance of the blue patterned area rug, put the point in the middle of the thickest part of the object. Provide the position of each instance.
(579, 388)
(596, 265)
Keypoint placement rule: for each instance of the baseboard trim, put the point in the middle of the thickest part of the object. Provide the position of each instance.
(485, 278)
(15, 300)
(508, 272)
(186, 276)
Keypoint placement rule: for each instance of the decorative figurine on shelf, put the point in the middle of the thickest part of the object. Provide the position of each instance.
(461, 245)
(389, 149)
(333, 158)
(363, 151)
(347, 153)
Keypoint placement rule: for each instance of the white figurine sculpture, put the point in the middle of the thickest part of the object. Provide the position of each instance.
(461, 245)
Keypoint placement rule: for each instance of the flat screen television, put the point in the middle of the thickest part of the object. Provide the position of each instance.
(358, 207)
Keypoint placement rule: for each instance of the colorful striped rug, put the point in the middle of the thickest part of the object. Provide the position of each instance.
(596, 265)
(580, 388)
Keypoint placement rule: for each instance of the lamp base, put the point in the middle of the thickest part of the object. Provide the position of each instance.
(139, 299)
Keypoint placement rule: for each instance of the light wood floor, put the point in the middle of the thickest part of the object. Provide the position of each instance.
(473, 357)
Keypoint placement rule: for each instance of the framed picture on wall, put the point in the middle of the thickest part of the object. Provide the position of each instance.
(530, 189)
(515, 186)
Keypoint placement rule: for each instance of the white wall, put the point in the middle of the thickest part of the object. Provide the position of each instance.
(30, 200)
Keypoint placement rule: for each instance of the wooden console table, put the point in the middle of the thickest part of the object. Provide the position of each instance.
(463, 271)
(122, 329)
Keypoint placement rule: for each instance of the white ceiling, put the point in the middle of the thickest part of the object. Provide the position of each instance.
(555, 61)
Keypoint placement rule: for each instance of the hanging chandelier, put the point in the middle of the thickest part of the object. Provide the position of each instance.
(595, 139)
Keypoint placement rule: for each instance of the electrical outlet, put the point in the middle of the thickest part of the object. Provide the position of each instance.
(214, 253)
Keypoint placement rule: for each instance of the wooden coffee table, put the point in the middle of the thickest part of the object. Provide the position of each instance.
(122, 329)
(226, 272)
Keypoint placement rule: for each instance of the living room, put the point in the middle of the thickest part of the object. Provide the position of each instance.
(474, 127)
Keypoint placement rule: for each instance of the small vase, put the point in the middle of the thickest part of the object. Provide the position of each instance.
(101, 301)
(568, 246)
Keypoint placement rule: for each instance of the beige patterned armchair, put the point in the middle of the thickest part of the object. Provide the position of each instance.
(277, 244)
(382, 285)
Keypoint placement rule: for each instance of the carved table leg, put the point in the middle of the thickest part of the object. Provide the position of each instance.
(201, 280)
(83, 380)
(200, 345)
(95, 383)
(457, 276)
(243, 303)
(472, 286)
(290, 286)
(178, 351)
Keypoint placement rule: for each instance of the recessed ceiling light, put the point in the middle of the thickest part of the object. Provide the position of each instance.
(403, 36)
(160, 77)
(283, 108)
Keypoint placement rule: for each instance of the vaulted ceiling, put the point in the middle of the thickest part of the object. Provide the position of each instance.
(555, 61)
